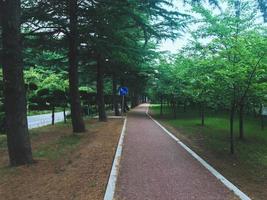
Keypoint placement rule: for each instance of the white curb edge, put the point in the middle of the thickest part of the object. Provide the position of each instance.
(219, 176)
(111, 186)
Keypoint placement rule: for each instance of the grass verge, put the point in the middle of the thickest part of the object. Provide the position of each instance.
(247, 168)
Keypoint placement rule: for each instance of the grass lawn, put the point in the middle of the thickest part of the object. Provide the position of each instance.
(69, 166)
(247, 168)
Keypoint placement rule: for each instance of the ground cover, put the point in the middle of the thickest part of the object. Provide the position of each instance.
(67, 166)
(247, 168)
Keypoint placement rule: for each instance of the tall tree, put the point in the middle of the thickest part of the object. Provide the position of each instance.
(19, 146)
(76, 111)
(100, 89)
(55, 26)
(114, 95)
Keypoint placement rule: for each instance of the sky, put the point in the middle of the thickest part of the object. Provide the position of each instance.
(179, 43)
(174, 46)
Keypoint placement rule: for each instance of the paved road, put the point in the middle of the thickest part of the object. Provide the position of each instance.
(155, 167)
(44, 119)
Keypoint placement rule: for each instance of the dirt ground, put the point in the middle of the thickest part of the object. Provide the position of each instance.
(254, 187)
(80, 173)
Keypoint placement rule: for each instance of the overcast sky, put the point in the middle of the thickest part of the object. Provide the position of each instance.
(174, 46)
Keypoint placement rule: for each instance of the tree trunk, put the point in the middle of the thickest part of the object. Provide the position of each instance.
(202, 114)
(132, 100)
(126, 108)
(100, 90)
(75, 104)
(114, 96)
(53, 115)
(262, 122)
(64, 115)
(184, 106)
(241, 121)
(136, 99)
(254, 112)
(261, 117)
(161, 105)
(174, 110)
(232, 113)
(18, 141)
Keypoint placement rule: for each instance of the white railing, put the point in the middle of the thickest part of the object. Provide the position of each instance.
(44, 119)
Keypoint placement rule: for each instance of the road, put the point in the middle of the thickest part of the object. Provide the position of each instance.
(155, 167)
(44, 119)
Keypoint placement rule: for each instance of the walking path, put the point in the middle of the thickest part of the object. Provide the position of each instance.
(155, 167)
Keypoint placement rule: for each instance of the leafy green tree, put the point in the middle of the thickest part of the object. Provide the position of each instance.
(235, 42)
(225, 72)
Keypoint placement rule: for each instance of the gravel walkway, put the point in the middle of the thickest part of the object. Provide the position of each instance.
(155, 167)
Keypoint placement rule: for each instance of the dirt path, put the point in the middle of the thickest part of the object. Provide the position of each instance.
(155, 167)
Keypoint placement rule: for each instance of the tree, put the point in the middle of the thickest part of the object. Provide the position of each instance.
(76, 111)
(226, 71)
(234, 31)
(19, 146)
(55, 26)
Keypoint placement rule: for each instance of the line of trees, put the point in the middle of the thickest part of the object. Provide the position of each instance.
(90, 43)
(223, 68)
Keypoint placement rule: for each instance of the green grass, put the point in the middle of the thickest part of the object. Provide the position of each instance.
(58, 148)
(51, 150)
(3, 143)
(35, 132)
(252, 151)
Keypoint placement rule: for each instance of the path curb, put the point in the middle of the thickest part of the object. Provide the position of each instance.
(213, 171)
(111, 186)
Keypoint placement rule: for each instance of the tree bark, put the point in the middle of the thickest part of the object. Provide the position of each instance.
(241, 121)
(174, 109)
(114, 96)
(202, 114)
(100, 90)
(126, 108)
(261, 117)
(232, 113)
(18, 141)
(136, 99)
(64, 115)
(53, 115)
(75, 103)
(132, 100)
(185, 106)
(161, 105)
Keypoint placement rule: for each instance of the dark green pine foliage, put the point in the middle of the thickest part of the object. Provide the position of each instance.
(59, 20)
(119, 35)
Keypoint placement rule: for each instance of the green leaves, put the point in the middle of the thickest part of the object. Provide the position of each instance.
(230, 65)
